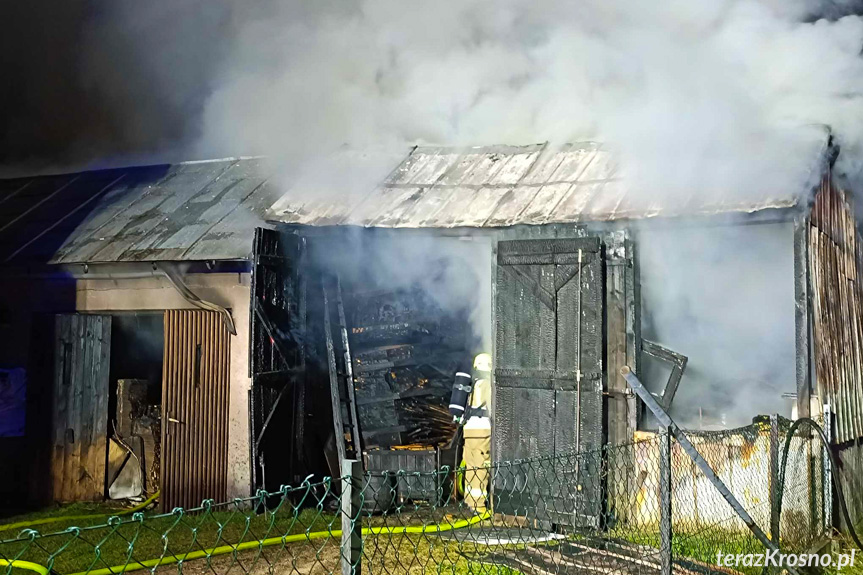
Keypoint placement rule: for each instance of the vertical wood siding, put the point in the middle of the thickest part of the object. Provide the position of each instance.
(80, 410)
(195, 385)
(837, 308)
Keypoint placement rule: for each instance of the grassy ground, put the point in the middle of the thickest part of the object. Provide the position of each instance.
(66, 514)
(843, 544)
(95, 543)
(78, 545)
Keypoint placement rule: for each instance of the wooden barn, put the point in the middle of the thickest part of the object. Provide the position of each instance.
(537, 254)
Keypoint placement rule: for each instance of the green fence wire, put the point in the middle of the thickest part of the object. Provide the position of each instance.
(591, 512)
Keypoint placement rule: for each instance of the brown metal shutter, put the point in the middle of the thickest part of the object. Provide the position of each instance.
(195, 385)
(80, 410)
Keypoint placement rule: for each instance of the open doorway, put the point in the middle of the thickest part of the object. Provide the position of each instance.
(414, 308)
(137, 359)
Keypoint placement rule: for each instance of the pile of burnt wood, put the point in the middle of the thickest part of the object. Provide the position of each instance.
(405, 351)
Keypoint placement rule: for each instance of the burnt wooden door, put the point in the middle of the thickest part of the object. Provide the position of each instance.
(82, 361)
(277, 400)
(548, 378)
(195, 386)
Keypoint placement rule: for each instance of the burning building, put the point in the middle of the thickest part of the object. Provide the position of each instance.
(330, 323)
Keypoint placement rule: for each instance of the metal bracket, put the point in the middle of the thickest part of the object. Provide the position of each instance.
(678, 365)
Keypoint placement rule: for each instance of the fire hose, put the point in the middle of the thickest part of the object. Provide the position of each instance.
(55, 519)
(224, 549)
(833, 467)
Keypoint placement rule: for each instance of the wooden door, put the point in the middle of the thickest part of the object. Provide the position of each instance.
(277, 400)
(195, 386)
(82, 361)
(548, 377)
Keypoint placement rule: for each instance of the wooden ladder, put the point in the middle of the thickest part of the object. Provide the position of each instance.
(345, 421)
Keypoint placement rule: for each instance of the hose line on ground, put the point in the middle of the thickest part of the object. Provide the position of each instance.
(224, 549)
(54, 519)
(833, 473)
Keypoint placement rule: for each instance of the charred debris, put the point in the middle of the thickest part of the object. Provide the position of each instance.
(373, 342)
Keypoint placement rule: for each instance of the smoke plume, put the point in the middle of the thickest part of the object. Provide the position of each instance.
(718, 98)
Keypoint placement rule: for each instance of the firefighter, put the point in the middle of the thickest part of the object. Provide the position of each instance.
(477, 436)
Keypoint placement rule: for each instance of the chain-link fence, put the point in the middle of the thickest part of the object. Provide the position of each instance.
(606, 511)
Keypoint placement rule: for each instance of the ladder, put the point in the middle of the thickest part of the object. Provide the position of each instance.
(346, 425)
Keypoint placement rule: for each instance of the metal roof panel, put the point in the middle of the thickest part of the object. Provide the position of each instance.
(208, 210)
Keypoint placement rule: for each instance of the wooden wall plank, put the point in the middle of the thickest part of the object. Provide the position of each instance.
(84, 411)
(73, 414)
(61, 326)
(80, 411)
(836, 279)
(97, 461)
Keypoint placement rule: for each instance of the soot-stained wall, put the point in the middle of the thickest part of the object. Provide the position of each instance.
(723, 296)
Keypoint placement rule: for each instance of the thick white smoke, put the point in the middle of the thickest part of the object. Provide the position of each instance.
(717, 98)
(705, 97)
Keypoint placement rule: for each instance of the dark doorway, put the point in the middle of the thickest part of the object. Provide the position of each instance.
(137, 359)
(137, 351)
(416, 307)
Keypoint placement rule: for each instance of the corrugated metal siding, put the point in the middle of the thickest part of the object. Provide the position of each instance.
(80, 411)
(836, 263)
(195, 385)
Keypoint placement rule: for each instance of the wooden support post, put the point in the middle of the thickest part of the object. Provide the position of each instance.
(335, 395)
(826, 482)
(352, 524)
(801, 315)
(665, 483)
(620, 351)
(774, 478)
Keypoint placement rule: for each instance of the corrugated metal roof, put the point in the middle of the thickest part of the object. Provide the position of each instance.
(208, 210)
(190, 211)
(499, 186)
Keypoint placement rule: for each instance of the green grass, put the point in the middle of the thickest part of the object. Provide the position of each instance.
(701, 545)
(101, 510)
(75, 545)
(95, 544)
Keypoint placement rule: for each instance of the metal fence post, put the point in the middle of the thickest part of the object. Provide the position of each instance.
(826, 483)
(774, 478)
(665, 483)
(352, 524)
(666, 421)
